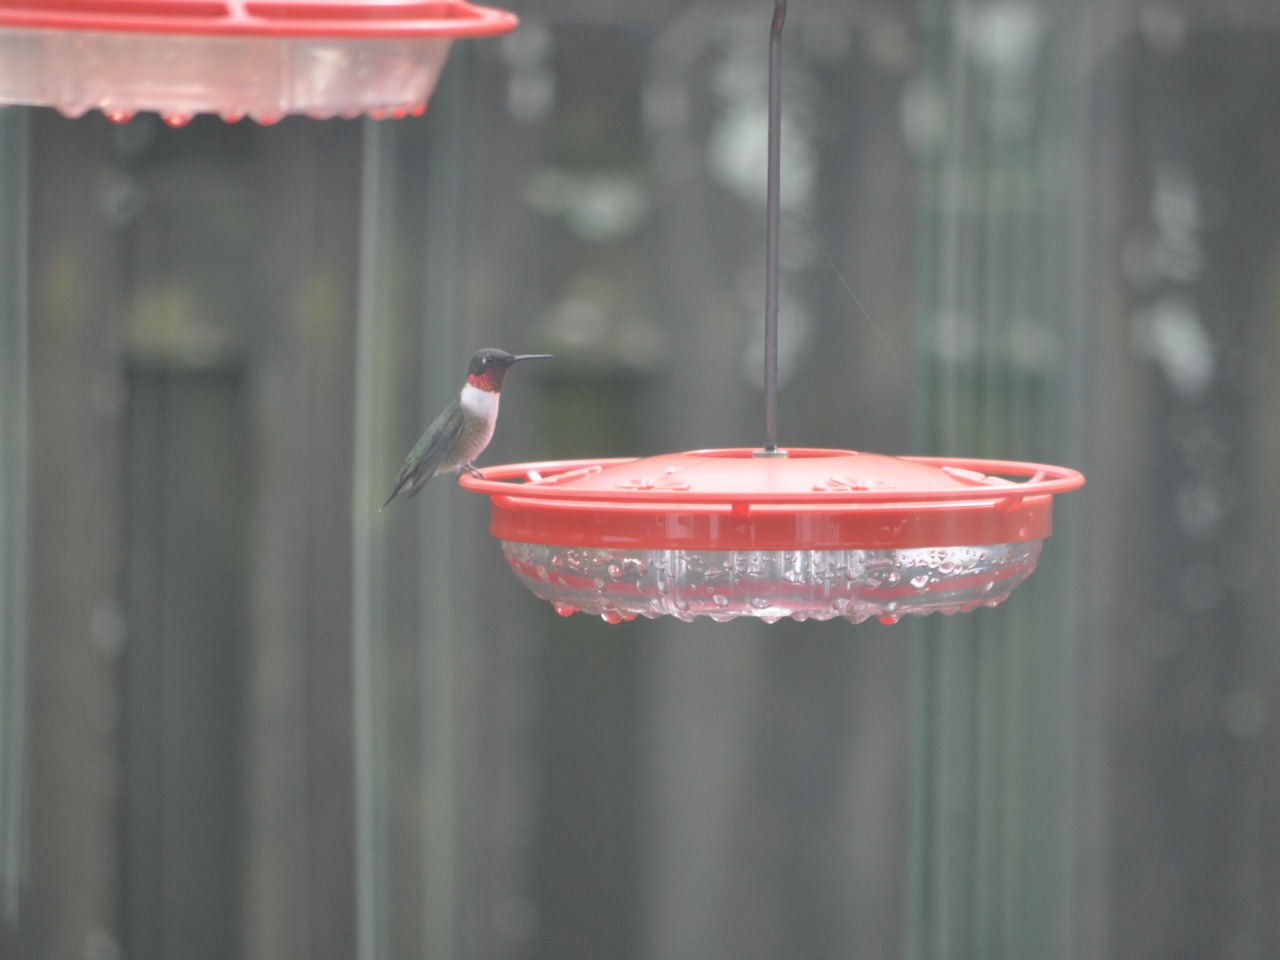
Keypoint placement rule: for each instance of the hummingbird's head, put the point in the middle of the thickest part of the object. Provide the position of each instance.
(489, 367)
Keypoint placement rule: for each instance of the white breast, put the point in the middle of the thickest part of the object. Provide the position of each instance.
(483, 408)
(480, 402)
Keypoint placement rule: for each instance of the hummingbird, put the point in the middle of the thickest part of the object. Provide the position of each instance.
(464, 428)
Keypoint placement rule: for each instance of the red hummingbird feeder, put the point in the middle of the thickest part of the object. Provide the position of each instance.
(811, 534)
(772, 533)
(262, 59)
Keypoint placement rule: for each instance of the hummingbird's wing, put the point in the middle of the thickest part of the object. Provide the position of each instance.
(430, 452)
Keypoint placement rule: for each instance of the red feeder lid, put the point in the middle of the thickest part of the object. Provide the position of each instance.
(811, 499)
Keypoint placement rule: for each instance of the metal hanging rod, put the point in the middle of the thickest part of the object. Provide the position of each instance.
(771, 235)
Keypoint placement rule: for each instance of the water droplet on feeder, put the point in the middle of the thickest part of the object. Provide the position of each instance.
(888, 619)
(119, 116)
(177, 120)
(564, 609)
(921, 581)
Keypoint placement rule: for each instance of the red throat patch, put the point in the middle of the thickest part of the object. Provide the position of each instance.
(487, 380)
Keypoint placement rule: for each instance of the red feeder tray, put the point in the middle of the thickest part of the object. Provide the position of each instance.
(812, 534)
(236, 58)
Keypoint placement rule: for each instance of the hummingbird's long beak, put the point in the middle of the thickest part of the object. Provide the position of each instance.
(534, 356)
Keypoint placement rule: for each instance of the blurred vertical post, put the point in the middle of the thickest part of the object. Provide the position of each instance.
(379, 332)
(996, 830)
(406, 559)
(14, 145)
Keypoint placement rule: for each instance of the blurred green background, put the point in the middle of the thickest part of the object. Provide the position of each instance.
(244, 715)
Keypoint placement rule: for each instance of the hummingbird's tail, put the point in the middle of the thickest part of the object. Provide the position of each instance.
(410, 482)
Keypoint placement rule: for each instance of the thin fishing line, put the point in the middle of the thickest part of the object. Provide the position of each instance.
(915, 385)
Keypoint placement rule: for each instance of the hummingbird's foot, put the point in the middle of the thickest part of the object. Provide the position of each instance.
(470, 468)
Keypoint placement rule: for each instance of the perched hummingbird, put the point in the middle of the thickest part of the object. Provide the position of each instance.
(464, 429)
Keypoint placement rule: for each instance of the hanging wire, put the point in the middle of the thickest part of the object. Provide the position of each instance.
(771, 236)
